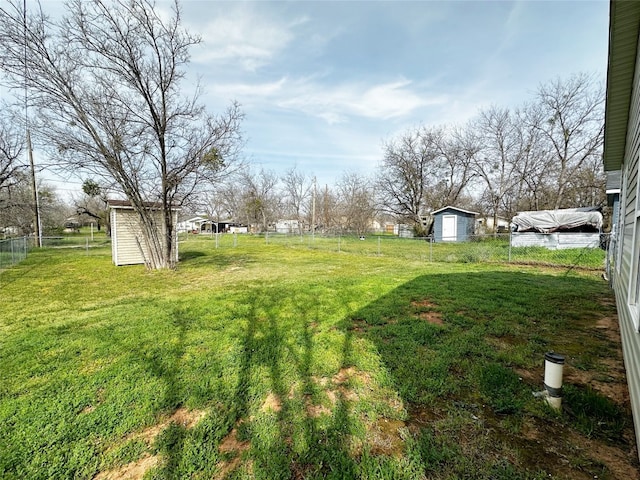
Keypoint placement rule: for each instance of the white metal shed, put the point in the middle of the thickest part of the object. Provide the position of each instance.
(127, 242)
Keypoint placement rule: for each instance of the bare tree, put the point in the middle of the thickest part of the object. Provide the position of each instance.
(260, 197)
(93, 203)
(297, 188)
(356, 203)
(17, 209)
(106, 83)
(425, 169)
(457, 149)
(409, 164)
(11, 149)
(504, 148)
(587, 186)
(569, 115)
(327, 218)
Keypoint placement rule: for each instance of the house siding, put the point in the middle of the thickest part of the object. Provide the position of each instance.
(625, 271)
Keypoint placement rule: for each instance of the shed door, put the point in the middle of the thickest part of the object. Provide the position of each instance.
(449, 223)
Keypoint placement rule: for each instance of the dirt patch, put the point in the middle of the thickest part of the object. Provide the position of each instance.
(423, 304)
(621, 464)
(137, 469)
(182, 416)
(359, 325)
(561, 446)
(435, 318)
(608, 301)
(609, 327)
(131, 471)
(421, 416)
(272, 403)
(315, 411)
(233, 447)
(231, 443)
(343, 378)
(344, 375)
(186, 418)
(534, 376)
(87, 409)
(430, 315)
(612, 385)
(385, 437)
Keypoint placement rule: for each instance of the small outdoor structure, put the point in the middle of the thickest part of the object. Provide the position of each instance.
(127, 242)
(452, 224)
(487, 224)
(211, 226)
(288, 226)
(557, 229)
(190, 224)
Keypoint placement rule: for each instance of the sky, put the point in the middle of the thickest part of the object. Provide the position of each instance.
(323, 84)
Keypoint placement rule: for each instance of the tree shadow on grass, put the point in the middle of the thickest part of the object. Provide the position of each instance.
(164, 362)
(198, 259)
(288, 438)
(440, 340)
(465, 351)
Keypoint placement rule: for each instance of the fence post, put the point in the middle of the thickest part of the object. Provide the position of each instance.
(510, 233)
(431, 249)
(86, 244)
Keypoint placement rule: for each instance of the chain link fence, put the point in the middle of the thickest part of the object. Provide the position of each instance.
(494, 248)
(75, 241)
(13, 251)
(476, 249)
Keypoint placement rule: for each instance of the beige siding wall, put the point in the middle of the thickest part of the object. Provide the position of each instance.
(129, 239)
(627, 273)
(127, 245)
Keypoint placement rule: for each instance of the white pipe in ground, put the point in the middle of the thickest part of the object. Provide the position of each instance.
(553, 365)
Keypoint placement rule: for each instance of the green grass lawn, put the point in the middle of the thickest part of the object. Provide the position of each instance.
(268, 361)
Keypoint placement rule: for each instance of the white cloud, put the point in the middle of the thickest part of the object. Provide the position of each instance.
(334, 103)
(245, 38)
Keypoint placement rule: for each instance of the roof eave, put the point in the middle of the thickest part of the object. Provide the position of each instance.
(624, 25)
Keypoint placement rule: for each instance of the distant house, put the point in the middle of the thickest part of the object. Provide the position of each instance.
(288, 226)
(621, 153)
(452, 224)
(238, 228)
(71, 224)
(127, 242)
(485, 225)
(190, 224)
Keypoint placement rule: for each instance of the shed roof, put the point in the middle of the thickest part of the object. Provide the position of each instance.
(126, 204)
(449, 207)
(624, 25)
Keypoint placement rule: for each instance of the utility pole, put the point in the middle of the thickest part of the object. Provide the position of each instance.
(34, 185)
(34, 188)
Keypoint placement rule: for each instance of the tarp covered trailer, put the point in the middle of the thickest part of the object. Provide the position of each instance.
(557, 229)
